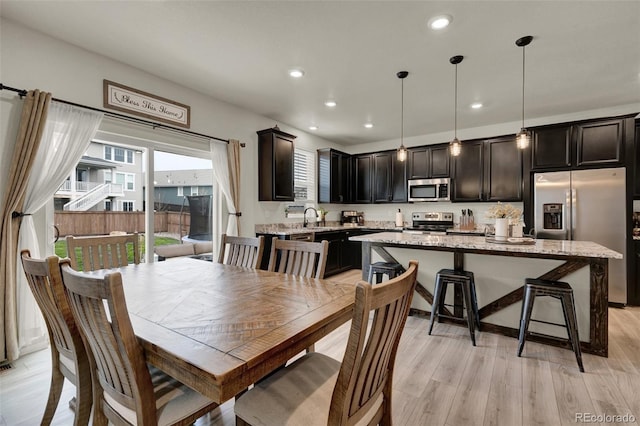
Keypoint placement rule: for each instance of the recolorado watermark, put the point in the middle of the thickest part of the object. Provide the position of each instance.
(604, 418)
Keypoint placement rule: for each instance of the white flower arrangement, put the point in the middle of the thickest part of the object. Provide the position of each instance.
(504, 211)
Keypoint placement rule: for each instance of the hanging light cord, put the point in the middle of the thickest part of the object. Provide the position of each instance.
(402, 113)
(523, 49)
(455, 108)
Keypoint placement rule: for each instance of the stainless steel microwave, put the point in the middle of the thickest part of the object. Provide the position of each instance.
(429, 189)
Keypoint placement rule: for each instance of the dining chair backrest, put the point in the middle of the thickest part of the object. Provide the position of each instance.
(241, 251)
(102, 252)
(68, 354)
(117, 358)
(366, 373)
(303, 258)
(126, 389)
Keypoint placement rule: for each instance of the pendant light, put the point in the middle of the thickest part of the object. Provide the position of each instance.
(523, 137)
(454, 146)
(402, 151)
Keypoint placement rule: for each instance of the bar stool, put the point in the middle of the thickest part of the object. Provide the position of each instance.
(392, 269)
(465, 280)
(558, 290)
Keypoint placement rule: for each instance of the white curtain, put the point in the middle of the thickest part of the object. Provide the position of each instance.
(67, 135)
(220, 164)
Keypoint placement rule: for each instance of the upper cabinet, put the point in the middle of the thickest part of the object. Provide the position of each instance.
(334, 176)
(379, 178)
(488, 170)
(502, 170)
(275, 165)
(551, 147)
(428, 162)
(596, 143)
(362, 172)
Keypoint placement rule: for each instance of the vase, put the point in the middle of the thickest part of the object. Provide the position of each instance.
(502, 228)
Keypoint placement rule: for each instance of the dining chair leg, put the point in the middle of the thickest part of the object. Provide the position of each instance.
(55, 390)
(83, 401)
(240, 422)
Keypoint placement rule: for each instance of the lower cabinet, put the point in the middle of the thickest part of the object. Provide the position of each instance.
(342, 255)
(634, 293)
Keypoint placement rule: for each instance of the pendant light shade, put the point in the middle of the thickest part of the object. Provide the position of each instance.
(402, 151)
(455, 147)
(523, 138)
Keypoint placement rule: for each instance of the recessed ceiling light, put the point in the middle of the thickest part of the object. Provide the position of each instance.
(476, 105)
(313, 127)
(296, 73)
(330, 104)
(440, 22)
(368, 125)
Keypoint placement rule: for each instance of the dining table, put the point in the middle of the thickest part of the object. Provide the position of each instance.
(220, 328)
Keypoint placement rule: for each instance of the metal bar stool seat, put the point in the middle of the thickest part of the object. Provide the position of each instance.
(558, 290)
(392, 269)
(463, 279)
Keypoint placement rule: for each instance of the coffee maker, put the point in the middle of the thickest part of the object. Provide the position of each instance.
(351, 218)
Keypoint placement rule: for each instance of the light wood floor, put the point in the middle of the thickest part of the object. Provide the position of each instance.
(440, 379)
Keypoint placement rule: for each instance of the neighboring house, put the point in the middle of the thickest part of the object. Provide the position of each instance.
(173, 186)
(107, 178)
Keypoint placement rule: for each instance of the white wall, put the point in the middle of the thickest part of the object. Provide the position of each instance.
(31, 60)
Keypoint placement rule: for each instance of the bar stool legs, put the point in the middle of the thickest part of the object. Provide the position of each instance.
(465, 280)
(558, 290)
(379, 269)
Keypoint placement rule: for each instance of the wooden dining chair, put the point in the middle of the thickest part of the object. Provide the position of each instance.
(126, 389)
(241, 251)
(301, 258)
(102, 252)
(319, 390)
(68, 355)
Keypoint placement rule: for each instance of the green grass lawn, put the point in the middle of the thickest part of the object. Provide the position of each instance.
(61, 247)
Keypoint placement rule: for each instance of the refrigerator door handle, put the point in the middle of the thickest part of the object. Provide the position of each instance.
(573, 207)
(568, 214)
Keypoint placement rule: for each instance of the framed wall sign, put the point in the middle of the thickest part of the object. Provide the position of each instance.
(127, 99)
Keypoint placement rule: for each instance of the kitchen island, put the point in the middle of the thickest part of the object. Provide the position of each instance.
(500, 270)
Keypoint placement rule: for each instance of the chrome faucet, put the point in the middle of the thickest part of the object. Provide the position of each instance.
(304, 216)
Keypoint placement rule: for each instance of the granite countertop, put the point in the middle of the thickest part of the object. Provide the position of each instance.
(552, 247)
(297, 228)
(476, 231)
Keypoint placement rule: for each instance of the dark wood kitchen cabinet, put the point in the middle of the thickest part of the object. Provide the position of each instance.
(428, 162)
(379, 178)
(502, 170)
(551, 147)
(468, 172)
(488, 170)
(275, 165)
(637, 162)
(389, 178)
(334, 176)
(634, 291)
(587, 144)
(362, 181)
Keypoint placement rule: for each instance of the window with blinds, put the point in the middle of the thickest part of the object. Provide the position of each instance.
(304, 176)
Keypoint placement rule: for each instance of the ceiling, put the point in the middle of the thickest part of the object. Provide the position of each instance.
(585, 55)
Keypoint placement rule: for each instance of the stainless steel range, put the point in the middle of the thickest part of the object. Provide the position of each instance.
(433, 223)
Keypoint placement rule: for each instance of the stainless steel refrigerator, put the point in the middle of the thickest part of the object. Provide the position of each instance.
(586, 205)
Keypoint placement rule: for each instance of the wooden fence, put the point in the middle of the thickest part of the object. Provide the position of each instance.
(102, 223)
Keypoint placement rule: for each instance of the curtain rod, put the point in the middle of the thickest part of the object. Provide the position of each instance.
(22, 93)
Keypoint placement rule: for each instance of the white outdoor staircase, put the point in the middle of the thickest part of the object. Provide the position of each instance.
(94, 196)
